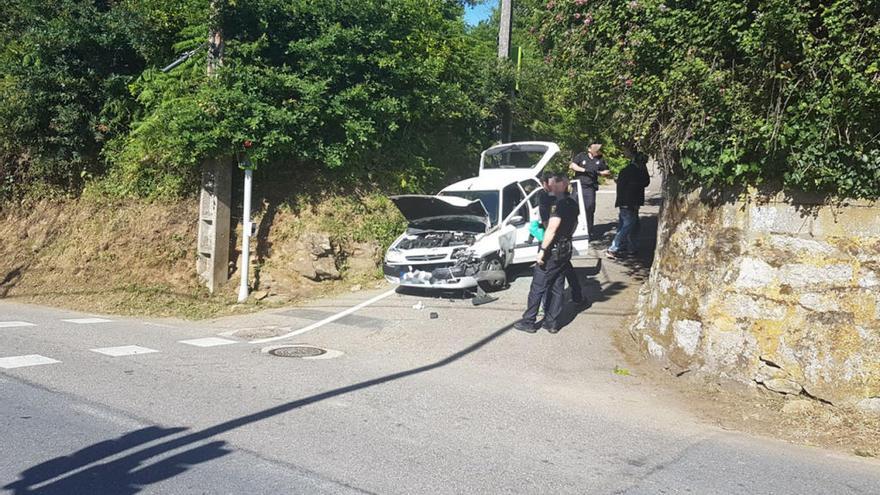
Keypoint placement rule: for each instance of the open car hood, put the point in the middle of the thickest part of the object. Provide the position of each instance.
(443, 213)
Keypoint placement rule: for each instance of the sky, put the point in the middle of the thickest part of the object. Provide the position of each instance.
(473, 15)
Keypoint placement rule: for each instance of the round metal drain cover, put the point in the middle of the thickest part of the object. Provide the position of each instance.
(297, 351)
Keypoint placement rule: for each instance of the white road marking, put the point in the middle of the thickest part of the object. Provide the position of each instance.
(15, 324)
(22, 361)
(125, 350)
(207, 342)
(87, 321)
(162, 325)
(325, 321)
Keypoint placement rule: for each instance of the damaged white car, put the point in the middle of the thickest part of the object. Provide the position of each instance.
(474, 230)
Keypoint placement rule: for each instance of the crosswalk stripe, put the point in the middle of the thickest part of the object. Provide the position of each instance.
(22, 361)
(207, 342)
(125, 350)
(15, 324)
(86, 321)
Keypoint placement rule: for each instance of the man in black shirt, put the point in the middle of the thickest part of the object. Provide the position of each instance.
(631, 184)
(588, 166)
(546, 200)
(553, 259)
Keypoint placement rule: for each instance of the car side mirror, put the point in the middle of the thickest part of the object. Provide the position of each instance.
(517, 220)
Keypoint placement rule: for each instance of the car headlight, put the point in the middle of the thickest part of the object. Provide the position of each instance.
(394, 256)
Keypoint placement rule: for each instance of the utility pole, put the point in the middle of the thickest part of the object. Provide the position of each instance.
(212, 264)
(504, 30)
(503, 54)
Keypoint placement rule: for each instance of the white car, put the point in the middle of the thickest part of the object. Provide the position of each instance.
(473, 230)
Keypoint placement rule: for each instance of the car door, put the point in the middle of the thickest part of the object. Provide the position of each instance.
(526, 249)
(581, 237)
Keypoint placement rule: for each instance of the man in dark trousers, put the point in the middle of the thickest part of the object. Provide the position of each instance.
(546, 200)
(554, 256)
(631, 184)
(588, 166)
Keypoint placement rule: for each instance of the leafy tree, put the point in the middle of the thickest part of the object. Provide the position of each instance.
(730, 92)
(64, 67)
(368, 88)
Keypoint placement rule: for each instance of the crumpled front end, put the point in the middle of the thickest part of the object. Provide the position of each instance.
(466, 271)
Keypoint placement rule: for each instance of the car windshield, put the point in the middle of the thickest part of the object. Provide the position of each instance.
(488, 198)
(516, 157)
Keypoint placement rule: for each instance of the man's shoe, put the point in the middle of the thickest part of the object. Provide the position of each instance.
(610, 254)
(526, 326)
(550, 328)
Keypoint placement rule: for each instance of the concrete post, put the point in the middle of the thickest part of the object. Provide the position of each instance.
(212, 264)
(504, 29)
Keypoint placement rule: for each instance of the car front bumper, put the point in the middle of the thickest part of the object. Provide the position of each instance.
(426, 276)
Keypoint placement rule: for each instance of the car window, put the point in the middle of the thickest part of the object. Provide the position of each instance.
(516, 156)
(489, 199)
(528, 186)
(510, 197)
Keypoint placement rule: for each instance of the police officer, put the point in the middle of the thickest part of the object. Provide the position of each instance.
(588, 166)
(546, 200)
(554, 256)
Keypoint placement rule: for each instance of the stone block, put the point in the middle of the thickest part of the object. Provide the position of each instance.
(654, 349)
(784, 386)
(803, 275)
(728, 349)
(868, 279)
(664, 321)
(847, 222)
(778, 219)
(818, 302)
(743, 306)
(754, 273)
(687, 335)
(869, 405)
(801, 246)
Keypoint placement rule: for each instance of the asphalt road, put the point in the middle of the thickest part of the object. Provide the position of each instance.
(410, 404)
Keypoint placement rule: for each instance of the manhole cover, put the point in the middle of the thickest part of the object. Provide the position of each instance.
(299, 351)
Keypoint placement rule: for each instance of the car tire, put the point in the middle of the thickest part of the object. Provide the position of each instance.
(493, 263)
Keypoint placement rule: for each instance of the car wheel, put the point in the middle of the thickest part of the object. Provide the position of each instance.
(493, 263)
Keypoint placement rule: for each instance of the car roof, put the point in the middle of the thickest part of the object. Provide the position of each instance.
(482, 183)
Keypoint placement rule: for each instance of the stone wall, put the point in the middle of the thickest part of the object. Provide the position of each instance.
(776, 290)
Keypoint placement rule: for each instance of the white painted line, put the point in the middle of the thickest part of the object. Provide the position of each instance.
(125, 350)
(87, 321)
(207, 342)
(325, 321)
(15, 324)
(8, 363)
(161, 325)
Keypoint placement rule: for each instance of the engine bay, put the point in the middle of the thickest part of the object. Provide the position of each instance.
(425, 240)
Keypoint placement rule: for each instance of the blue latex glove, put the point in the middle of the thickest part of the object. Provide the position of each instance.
(536, 230)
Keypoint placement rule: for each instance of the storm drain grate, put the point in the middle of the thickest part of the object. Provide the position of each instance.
(297, 351)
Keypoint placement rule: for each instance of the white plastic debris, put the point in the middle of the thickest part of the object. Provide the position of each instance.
(418, 305)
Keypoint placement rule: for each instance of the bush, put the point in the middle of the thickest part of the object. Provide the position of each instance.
(729, 92)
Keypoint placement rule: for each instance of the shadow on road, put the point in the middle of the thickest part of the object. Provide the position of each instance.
(130, 474)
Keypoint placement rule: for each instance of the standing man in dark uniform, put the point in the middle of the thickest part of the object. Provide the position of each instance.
(546, 200)
(554, 256)
(588, 166)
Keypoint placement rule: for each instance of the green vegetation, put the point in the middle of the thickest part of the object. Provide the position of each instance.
(400, 95)
(729, 92)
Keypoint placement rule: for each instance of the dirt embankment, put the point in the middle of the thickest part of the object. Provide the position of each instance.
(138, 258)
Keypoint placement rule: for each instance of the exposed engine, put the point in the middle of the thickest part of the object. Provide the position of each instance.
(436, 239)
